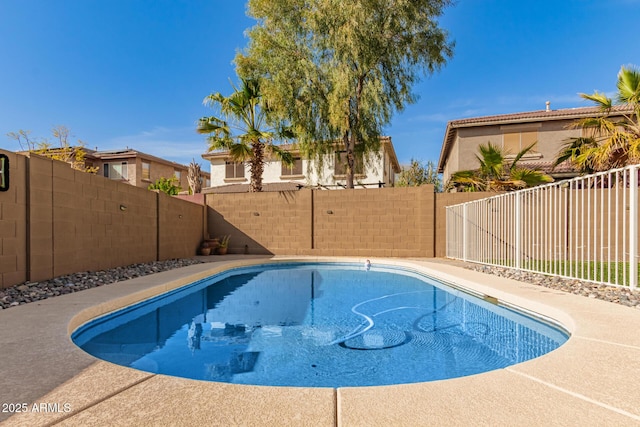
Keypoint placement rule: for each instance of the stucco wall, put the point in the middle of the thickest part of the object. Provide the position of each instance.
(157, 171)
(373, 173)
(551, 136)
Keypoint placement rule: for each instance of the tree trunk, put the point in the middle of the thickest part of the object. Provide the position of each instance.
(348, 144)
(350, 136)
(257, 167)
(194, 177)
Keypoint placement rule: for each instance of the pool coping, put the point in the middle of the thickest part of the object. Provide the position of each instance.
(591, 380)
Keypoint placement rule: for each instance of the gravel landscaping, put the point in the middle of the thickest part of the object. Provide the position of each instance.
(613, 294)
(35, 291)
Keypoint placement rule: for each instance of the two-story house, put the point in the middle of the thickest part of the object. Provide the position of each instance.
(547, 129)
(140, 169)
(134, 167)
(372, 171)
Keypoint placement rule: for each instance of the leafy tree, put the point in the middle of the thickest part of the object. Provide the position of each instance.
(63, 151)
(612, 143)
(166, 185)
(244, 128)
(338, 70)
(496, 173)
(418, 174)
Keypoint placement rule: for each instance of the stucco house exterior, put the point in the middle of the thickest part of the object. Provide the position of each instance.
(374, 171)
(135, 167)
(140, 169)
(548, 129)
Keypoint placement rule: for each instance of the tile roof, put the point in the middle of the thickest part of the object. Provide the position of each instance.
(122, 154)
(528, 116)
(130, 152)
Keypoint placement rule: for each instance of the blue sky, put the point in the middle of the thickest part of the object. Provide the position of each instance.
(133, 73)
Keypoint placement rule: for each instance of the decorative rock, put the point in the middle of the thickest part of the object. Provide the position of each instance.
(35, 291)
(617, 295)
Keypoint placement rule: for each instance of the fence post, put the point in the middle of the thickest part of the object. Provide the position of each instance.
(633, 227)
(464, 232)
(517, 230)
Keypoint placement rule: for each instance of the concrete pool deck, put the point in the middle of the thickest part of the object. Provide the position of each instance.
(594, 379)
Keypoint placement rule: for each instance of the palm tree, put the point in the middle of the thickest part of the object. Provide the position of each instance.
(194, 177)
(577, 151)
(245, 113)
(613, 143)
(496, 173)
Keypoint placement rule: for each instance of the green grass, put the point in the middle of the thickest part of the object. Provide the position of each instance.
(588, 270)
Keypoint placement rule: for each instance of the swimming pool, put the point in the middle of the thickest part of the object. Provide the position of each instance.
(317, 325)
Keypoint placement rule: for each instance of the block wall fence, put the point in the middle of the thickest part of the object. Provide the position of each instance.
(56, 221)
(384, 222)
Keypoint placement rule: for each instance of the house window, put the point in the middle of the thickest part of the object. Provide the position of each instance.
(514, 142)
(115, 170)
(341, 163)
(146, 171)
(294, 169)
(177, 174)
(121, 171)
(234, 169)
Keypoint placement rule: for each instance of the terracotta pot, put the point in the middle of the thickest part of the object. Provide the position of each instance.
(221, 250)
(205, 251)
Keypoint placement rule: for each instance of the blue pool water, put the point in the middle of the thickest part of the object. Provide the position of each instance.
(317, 325)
